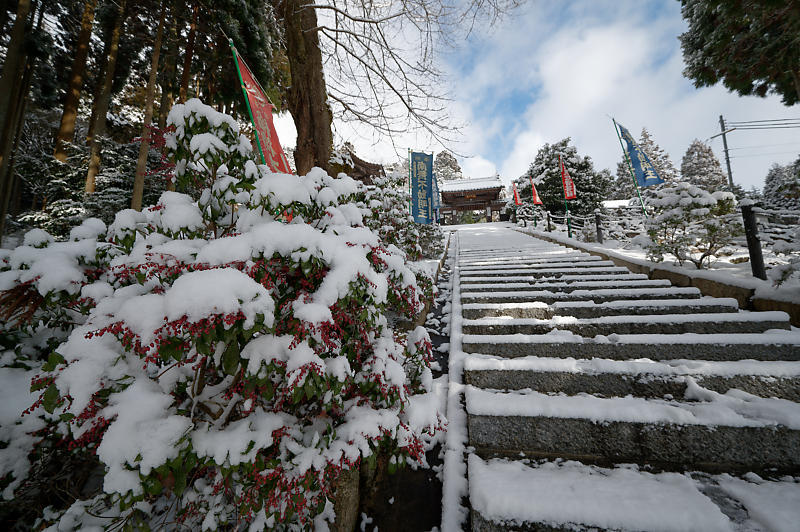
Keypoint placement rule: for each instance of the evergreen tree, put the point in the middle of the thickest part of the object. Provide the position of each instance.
(701, 167)
(659, 158)
(781, 187)
(622, 186)
(592, 186)
(446, 167)
(751, 47)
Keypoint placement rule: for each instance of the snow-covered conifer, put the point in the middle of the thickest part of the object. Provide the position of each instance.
(660, 159)
(782, 187)
(446, 167)
(701, 167)
(592, 186)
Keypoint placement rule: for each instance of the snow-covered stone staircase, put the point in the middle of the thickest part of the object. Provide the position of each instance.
(600, 399)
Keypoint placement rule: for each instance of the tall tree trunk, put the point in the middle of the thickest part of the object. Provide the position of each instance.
(66, 131)
(11, 67)
(188, 55)
(98, 127)
(144, 148)
(98, 89)
(307, 96)
(168, 78)
(12, 96)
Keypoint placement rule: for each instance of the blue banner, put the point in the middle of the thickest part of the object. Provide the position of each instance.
(643, 168)
(422, 187)
(437, 200)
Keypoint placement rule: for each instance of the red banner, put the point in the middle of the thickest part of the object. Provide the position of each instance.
(566, 181)
(516, 196)
(536, 199)
(261, 113)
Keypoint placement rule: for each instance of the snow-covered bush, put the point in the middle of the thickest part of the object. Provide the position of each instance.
(690, 224)
(387, 205)
(223, 363)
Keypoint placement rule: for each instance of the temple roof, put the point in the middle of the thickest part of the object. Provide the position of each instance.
(463, 185)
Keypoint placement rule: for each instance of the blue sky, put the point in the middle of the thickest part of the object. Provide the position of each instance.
(554, 69)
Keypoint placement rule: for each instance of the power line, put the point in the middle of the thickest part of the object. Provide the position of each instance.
(794, 126)
(766, 145)
(760, 121)
(744, 156)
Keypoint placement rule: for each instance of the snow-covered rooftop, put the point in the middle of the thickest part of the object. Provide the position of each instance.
(460, 185)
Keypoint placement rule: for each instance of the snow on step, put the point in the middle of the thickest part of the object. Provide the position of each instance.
(772, 345)
(638, 378)
(566, 278)
(536, 267)
(735, 430)
(590, 309)
(544, 272)
(570, 286)
(734, 409)
(582, 262)
(526, 255)
(597, 295)
(744, 322)
(569, 493)
(774, 505)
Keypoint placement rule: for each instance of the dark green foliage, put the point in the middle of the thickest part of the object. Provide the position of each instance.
(54, 199)
(751, 47)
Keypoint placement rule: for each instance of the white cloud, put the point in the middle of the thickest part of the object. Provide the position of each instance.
(477, 167)
(552, 70)
(617, 59)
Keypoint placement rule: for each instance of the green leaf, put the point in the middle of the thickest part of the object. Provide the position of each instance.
(230, 359)
(152, 486)
(52, 361)
(50, 398)
(180, 482)
(67, 416)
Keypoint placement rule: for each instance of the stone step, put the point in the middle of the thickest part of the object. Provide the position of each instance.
(545, 272)
(589, 309)
(640, 379)
(715, 432)
(572, 496)
(534, 251)
(740, 322)
(535, 266)
(531, 280)
(598, 296)
(774, 345)
(568, 286)
(481, 260)
(559, 262)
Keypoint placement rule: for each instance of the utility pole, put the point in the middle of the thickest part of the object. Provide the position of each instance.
(725, 146)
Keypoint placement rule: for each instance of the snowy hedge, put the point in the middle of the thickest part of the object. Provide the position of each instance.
(224, 363)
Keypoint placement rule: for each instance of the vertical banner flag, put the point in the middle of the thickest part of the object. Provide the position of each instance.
(516, 196)
(421, 187)
(536, 199)
(566, 181)
(643, 168)
(261, 116)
